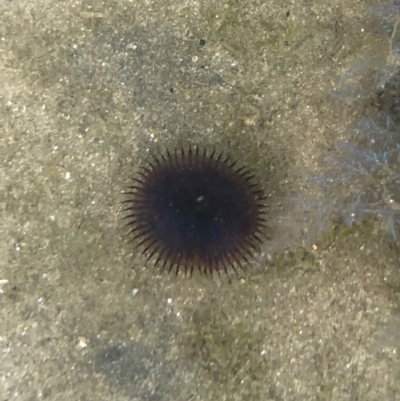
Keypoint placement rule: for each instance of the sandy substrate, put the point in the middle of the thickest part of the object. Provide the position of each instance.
(87, 89)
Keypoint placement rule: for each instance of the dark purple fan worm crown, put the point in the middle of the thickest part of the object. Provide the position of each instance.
(195, 209)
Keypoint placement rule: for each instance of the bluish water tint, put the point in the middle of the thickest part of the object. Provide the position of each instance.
(364, 169)
(387, 13)
(369, 165)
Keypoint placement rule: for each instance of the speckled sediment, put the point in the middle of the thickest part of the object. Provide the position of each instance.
(86, 89)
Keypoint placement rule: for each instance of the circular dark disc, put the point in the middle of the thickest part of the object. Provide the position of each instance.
(195, 209)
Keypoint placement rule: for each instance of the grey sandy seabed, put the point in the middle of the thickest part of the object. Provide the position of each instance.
(87, 88)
